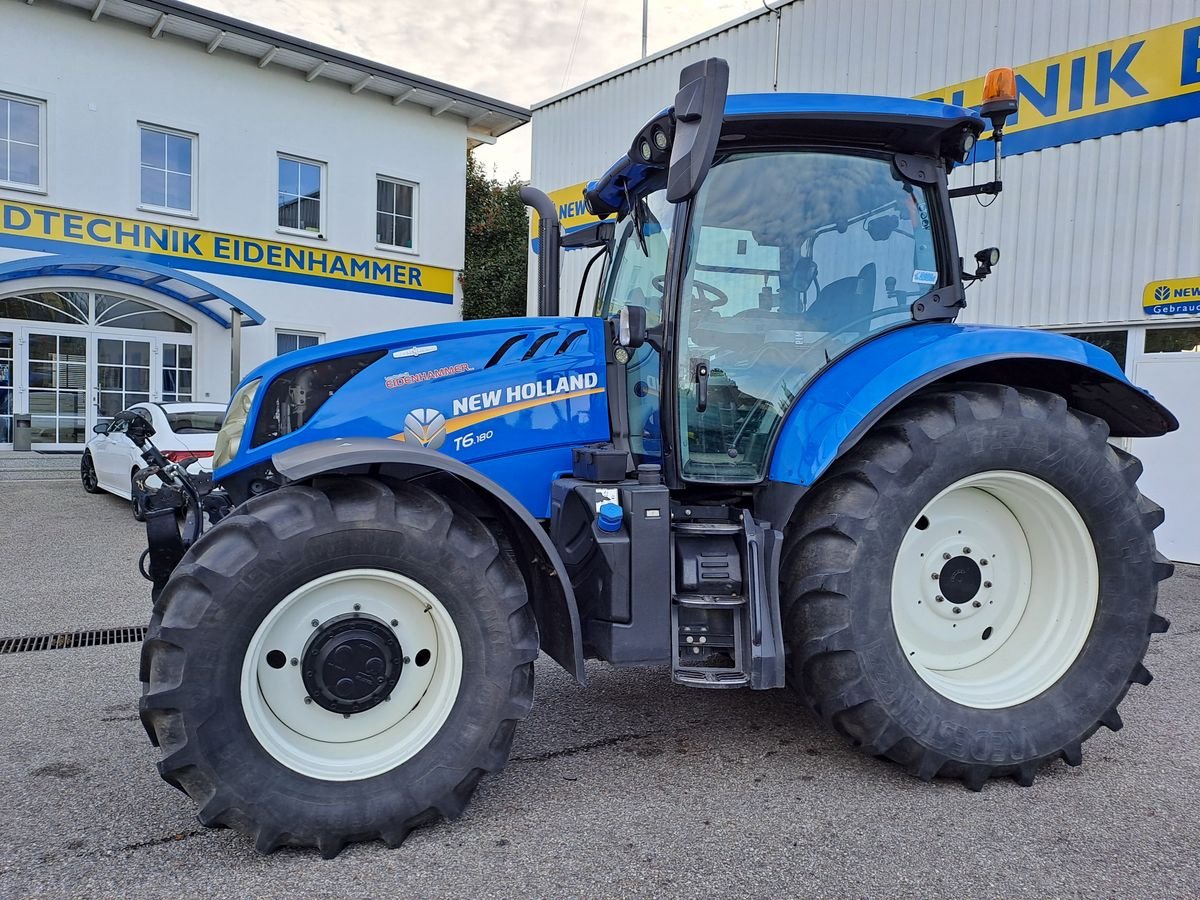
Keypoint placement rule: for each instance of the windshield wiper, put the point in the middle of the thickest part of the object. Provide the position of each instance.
(636, 210)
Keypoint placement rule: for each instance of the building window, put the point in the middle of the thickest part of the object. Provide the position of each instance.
(1115, 342)
(176, 372)
(301, 188)
(22, 142)
(287, 341)
(395, 213)
(1173, 340)
(168, 176)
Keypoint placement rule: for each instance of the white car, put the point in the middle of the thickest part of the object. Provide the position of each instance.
(181, 431)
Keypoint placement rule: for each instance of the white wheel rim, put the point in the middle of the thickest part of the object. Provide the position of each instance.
(314, 741)
(1032, 608)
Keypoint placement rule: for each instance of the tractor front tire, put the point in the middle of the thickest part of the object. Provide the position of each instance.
(338, 662)
(970, 590)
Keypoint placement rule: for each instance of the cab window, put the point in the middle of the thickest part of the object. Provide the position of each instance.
(793, 258)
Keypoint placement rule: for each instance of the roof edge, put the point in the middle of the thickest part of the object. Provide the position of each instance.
(331, 55)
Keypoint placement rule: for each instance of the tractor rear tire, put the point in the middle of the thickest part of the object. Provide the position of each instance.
(341, 748)
(970, 590)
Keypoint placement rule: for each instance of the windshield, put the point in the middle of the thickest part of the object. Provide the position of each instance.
(793, 257)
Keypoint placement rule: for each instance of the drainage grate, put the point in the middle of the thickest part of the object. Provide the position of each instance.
(67, 639)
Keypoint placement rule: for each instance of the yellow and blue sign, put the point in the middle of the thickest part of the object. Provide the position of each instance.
(49, 229)
(1172, 297)
(1139, 81)
(571, 211)
(1134, 82)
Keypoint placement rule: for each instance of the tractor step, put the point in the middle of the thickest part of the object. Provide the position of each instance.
(724, 612)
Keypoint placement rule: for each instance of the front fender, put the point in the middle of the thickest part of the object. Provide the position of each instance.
(550, 591)
(861, 386)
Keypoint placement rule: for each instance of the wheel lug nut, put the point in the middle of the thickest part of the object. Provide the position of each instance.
(957, 610)
(395, 622)
(308, 699)
(945, 556)
(987, 584)
(966, 549)
(295, 662)
(983, 562)
(976, 604)
(935, 576)
(939, 598)
(357, 607)
(315, 622)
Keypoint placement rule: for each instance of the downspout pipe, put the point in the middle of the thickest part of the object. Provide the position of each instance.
(549, 249)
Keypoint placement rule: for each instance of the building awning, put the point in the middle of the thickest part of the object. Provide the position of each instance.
(182, 287)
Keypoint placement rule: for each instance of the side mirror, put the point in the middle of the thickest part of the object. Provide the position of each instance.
(631, 327)
(699, 114)
(101, 428)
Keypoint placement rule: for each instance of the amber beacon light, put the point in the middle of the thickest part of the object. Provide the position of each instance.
(999, 96)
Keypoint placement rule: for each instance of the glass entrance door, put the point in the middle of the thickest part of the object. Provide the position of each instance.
(122, 375)
(57, 383)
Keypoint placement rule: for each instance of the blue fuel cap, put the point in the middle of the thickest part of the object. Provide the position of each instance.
(610, 518)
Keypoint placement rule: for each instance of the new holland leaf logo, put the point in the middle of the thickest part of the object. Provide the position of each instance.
(426, 427)
(1161, 293)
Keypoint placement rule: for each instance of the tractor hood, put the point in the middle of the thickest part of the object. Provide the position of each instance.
(509, 396)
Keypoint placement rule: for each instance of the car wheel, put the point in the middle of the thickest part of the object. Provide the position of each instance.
(87, 474)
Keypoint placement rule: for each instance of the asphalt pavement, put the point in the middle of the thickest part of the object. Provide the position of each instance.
(631, 786)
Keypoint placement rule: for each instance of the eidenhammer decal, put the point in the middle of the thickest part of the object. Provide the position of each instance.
(404, 379)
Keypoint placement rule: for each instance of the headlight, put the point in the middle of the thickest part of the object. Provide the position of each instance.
(229, 438)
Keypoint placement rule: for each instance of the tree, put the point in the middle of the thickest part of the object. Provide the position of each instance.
(494, 274)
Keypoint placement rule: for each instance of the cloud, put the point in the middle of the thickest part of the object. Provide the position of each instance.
(508, 49)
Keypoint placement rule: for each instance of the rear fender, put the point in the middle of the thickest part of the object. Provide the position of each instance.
(549, 588)
(842, 403)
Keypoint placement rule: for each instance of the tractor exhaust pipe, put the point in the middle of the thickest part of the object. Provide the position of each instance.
(549, 244)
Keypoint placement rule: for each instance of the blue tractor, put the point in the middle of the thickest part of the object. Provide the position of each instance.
(770, 458)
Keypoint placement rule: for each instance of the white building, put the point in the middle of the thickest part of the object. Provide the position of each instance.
(170, 176)
(1098, 222)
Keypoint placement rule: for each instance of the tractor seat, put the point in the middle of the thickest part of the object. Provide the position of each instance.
(844, 300)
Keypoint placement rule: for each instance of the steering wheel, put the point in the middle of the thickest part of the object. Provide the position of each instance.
(700, 297)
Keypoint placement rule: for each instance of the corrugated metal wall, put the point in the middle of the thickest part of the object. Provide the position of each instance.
(1082, 227)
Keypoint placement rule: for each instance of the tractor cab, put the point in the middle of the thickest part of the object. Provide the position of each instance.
(821, 222)
(817, 222)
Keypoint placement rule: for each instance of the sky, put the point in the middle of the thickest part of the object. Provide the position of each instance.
(513, 50)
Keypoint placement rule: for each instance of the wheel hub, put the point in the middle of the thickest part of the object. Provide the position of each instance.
(960, 580)
(352, 663)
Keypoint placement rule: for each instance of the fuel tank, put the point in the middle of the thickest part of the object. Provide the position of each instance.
(510, 397)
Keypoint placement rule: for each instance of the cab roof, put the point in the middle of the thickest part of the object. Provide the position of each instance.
(895, 124)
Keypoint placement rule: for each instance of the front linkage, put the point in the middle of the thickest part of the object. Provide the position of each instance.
(175, 510)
